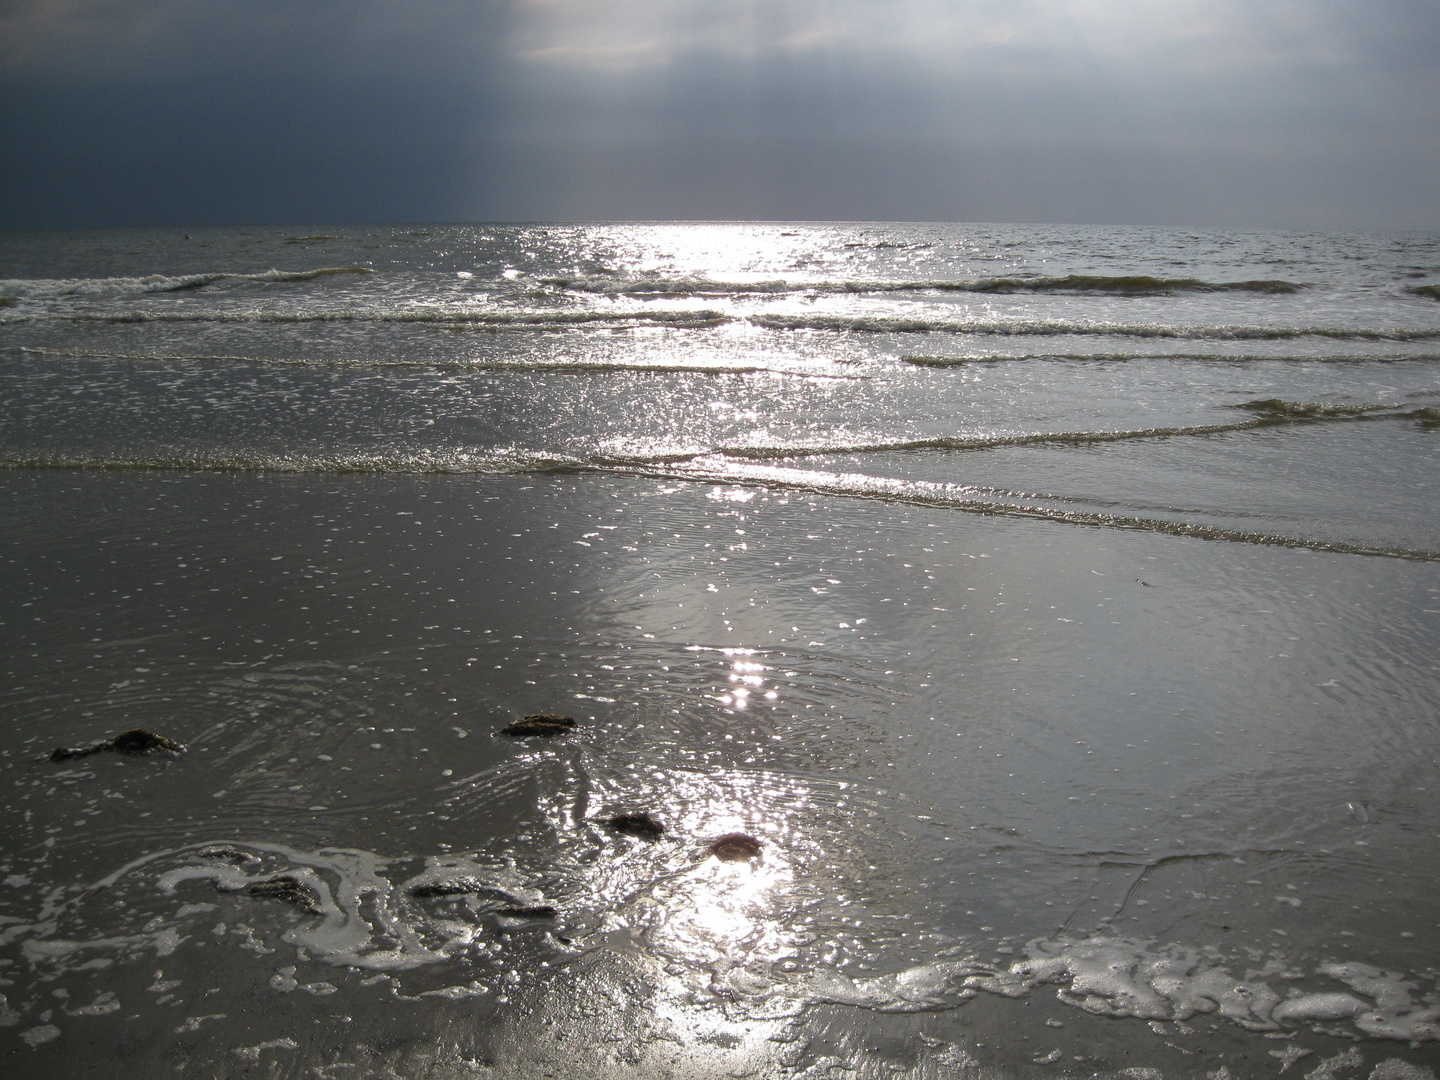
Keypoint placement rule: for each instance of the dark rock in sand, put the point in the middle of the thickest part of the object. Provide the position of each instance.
(735, 847)
(640, 824)
(543, 724)
(134, 742)
(289, 889)
(139, 741)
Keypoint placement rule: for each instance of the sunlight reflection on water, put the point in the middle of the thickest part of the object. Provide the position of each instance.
(713, 914)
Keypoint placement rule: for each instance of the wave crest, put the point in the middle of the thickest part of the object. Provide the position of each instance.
(1096, 284)
(892, 324)
(53, 288)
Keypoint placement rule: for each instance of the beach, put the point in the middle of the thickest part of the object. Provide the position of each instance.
(1057, 610)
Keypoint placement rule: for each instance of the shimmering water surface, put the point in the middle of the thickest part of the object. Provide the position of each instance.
(1059, 608)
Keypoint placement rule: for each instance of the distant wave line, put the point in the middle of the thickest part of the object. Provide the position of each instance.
(706, 318)
(412, 462)
(1114, 285)
(45, 288)
(525, 320)
(479, 366)
(899, 324)
(941, 361)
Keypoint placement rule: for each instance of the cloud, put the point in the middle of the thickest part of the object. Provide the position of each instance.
(1234, 111)
(929, 32)
(148, 39)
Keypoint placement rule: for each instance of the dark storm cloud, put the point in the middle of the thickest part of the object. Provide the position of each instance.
(1287, 113)
(242, 110)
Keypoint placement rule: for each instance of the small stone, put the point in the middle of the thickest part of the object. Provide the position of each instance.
(637, 824)
(735, 847)
(286, 888)
(542, 724)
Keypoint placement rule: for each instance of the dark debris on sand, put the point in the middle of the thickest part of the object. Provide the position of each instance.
(734, 847)
(637, 824)
(538, 911)
(288, 889)
(542, 724)
(135, 742)
(455, 887)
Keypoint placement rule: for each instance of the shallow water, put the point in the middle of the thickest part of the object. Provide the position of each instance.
(1084, 705)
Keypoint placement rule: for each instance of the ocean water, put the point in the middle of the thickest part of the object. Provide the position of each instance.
(1059, 609)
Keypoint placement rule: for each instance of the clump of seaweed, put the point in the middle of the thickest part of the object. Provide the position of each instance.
(133, 743)
(453, 887)
(637, 824)
(289, 889)
(542, 724)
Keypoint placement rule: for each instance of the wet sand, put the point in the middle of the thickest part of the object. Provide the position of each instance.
(954, 735)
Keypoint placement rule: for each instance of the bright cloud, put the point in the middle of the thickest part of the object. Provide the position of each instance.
(613, 34)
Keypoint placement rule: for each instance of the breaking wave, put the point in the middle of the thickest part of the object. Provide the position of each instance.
(745, 466)
(1125, 285)
(942, 361)
(1278, 410)
(1003, 504)
(899, 324)
(1268, 412)
(705, 318)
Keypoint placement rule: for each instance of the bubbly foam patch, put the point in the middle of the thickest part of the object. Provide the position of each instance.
(1119, 977)
(454, 915)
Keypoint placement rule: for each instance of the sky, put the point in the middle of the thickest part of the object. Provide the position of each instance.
(1319, 114)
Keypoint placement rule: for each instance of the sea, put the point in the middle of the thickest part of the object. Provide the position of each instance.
(1054, 611)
